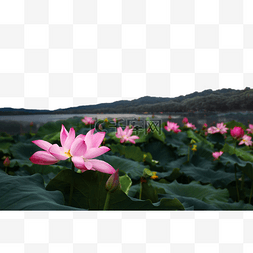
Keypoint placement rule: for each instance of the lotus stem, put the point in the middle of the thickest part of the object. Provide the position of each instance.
(251, 193)
(140, 190)
(238, 196)
(72, 184)
(188, 154)
(242, 184)
(107, 201)
(234, 147)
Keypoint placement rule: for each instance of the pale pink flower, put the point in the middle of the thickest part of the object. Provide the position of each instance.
(220, 128)
(93, 149)
(212, 130)
(216, 155)
(126, 135)
(81, 150)
(185, 120)
(250, 129)
(100, 127)
(190, 125)
(246, 140)
(171, 126)
(88, 120)
(115, 120)
(237, 132)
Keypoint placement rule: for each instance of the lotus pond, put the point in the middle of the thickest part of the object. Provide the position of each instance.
(162, 170)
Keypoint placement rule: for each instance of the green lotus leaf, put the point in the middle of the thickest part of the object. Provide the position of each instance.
(198, 138)
(160, 152)
(24, 151)
(28, 193)
(176, 140)
(53, 138)
(216, 138)
(5, 147)
(132, 168)
(219, 179)
(232, 206)
(131, 152)
(90, 193)
(55, 127)
(244, 155)
(233, 123)
(125, 183)
(188, 193)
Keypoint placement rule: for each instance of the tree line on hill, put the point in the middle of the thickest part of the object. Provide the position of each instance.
(224, 100)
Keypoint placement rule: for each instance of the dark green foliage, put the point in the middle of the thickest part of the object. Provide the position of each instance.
(194, 182)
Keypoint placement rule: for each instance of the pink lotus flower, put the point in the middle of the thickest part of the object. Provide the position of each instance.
(88, 120)
(212, 130)
(220, 128)
(250, 129)
(205, 125)
(100, 127)
(81, 150)
(216, 155)
(126, 135)
(190, 125)
(185, 120)
(115, 120)
(6, 162)
(237, 132)
(171, 126)
(246, 140)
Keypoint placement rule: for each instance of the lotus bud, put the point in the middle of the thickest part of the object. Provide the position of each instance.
(31, 124)
(113, 183)
(100, 127)
(6, 162)
(185, 120)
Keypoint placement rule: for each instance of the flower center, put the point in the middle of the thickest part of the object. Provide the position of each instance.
(68, 153)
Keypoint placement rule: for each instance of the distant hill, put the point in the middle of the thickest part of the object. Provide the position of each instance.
(223, 100)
